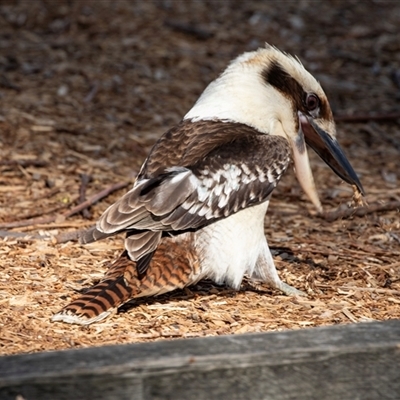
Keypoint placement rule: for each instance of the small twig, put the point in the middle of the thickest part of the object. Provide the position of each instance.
(189, 29)
(36, 214)
(52, 192)
(85, 179)
(366, 289)
(33, 221)
(91, 95)
(29, 237)
(360, 211)
(21, 235)
(95, 198)
(24, 163)
(47, 220)
(367, 117)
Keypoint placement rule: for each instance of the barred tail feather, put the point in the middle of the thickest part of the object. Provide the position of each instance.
(173, 266)
(96, 304)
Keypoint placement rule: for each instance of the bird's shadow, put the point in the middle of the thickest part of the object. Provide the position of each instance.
(289, 256)
(203, 288)
(207, 287)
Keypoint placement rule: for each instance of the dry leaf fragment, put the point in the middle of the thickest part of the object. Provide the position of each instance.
(358, 198)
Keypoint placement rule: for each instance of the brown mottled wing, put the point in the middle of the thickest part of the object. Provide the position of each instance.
(183, 145)
(230, 178)
(188, 142)
(238, 175)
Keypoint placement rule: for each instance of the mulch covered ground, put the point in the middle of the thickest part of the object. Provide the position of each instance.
(86, 88)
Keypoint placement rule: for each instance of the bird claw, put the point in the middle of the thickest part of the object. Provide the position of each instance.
(289, 290)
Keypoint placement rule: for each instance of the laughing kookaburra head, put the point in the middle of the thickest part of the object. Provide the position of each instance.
(198, 205)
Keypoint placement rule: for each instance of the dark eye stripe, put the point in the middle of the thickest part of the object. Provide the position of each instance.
(276, 76)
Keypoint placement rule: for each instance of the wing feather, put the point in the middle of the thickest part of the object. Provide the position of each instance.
(232, 177)
(187, 198)
(142, 243)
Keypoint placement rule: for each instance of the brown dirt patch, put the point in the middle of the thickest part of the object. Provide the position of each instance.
(87, 87)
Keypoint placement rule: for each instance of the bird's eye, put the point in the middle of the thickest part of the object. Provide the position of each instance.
(312, 102)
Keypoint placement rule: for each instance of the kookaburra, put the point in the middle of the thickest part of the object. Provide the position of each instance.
(197, 207)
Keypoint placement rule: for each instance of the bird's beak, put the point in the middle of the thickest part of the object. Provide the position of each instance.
(303, 170)
(328, 149)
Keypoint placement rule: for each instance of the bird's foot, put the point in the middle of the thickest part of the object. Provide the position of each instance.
(288, 290)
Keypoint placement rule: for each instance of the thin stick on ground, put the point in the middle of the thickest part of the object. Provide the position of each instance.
(95, 198)
(47, 220)
(20, 235)
(24, 163)
(85, 179)
(39, 213)
(36, 220)
(360, 211)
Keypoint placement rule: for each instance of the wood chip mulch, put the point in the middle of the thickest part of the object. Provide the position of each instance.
(86, 88)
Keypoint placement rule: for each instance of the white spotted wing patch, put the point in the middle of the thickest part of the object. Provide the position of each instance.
(221, 184)
(224, 188)
(235, 176)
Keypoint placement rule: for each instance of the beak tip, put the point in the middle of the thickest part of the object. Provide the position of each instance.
(330, 152)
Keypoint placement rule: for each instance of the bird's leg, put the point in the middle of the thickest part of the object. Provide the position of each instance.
(265, 270)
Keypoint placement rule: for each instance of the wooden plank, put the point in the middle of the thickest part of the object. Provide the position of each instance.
(359, 361)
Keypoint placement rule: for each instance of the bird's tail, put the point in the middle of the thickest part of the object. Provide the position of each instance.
(173, 266)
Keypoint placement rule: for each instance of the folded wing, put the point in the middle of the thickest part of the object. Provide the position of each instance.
(230, 178)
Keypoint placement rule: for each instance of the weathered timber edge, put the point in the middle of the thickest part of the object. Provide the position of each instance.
(358, 361)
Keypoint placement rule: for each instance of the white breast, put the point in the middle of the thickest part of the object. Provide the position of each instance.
(230, 248)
